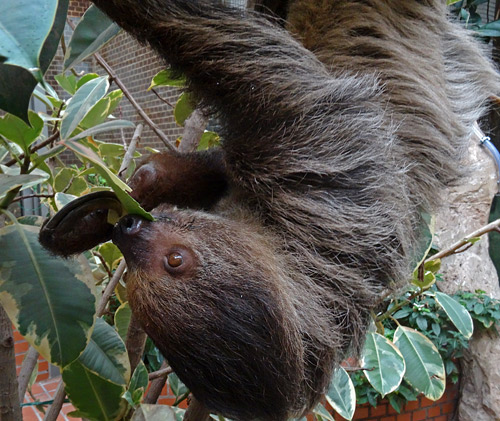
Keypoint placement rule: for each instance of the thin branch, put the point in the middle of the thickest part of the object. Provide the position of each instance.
(157, 385)
(56, 406)
(161, 98)
(35, 148)
(103, 263)
(127, 159)
(194, 128)
(163, 372)
(454, 248)
(27, 368)
(31, 196)
(134, 103)
(101, 308)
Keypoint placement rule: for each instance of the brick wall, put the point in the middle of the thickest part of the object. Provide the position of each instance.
(21, 347)
(136, 65)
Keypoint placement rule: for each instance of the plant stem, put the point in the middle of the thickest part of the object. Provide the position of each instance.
(10, 406)
(455, 248)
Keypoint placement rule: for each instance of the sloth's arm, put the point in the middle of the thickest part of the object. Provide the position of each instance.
(195, 180)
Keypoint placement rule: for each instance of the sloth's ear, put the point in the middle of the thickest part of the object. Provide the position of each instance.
(81, 224)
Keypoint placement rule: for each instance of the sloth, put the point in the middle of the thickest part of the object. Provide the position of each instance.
(268, 254)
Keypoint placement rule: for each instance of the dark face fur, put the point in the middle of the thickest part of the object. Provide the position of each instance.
(209, 298)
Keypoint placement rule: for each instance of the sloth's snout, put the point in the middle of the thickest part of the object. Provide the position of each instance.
(130, 225)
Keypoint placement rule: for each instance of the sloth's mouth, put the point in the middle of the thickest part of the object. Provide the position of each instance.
(129, 234)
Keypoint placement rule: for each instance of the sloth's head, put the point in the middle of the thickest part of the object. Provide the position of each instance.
(212, 296)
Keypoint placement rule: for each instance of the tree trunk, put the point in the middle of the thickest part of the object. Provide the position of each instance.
(10, 409)
(467, 209)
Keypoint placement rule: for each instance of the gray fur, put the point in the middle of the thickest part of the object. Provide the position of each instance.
(331, 157)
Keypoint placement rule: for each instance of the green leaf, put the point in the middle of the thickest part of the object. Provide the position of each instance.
(178, 388)
(103, 127)
(24, 27)
(458, 315)
(86, 78)
(424, 365)
(16, 83)
(138, 384)
(167, 77)
(154, 413)
(208, 140)
(62, 199)
(64, 178)
(10, 182)
(106, 354)
(491, 29)
(322, 414)
(68, 83)
(93, 31)
(17, 131)
(118, 186)
(50, 300)
(384, 363)
(122, 320)
(183, 108)
(102, 109)
(111, 254)
(84, 99)
(341, 394)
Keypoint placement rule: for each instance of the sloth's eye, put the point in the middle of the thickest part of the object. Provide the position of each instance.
(174, 260)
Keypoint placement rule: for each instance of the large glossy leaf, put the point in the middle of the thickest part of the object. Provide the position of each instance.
(154, 413)
(458, 315)
(341, 394)
(424, 366)
(183, 108)
(16, 83)
(93, 31)
(50, 300)
(384, 363)
(9, 182)
(24, 27)
(81, 103)
(96, 381)
(106, 355)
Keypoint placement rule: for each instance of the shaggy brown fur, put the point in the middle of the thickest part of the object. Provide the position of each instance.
(330, 158)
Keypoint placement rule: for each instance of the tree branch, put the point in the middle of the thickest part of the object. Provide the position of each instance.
(35, 148)
(27, 368)
(455, 248)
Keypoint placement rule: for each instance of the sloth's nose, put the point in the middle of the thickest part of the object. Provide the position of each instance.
(130, 224)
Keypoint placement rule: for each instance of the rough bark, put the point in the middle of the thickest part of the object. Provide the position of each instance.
(467, 209)
(10, 409)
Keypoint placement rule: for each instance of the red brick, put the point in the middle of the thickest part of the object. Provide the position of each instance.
(434, 411)
(448, 408)
(425, 402)
(43, 366)
(443, 418)
(393, 418)
(410, 406)
(42, 377)
(21, 347)
(404, 417)
(378, 411)
(361, 412)
(17, 336)
(420, 415)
